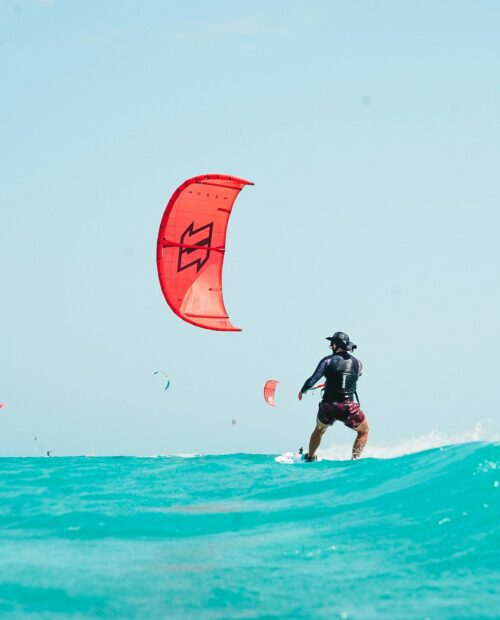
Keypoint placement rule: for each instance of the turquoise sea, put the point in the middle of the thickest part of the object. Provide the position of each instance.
(239, 536)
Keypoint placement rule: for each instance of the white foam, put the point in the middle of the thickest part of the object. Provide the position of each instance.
(434, 439)
(188, 455)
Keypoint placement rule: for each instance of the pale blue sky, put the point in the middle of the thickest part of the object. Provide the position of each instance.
(371, 132)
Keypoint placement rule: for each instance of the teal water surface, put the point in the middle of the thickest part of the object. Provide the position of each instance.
(239, 536)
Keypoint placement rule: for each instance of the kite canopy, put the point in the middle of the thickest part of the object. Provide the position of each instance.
(162, 372)
(191, 246)
(269, 389)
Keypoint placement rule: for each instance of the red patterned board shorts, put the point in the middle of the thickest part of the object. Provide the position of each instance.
(347, 412)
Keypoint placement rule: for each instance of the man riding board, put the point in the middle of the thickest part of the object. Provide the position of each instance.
(341, 371)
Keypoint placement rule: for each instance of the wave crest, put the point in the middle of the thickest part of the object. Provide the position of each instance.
(434, 439)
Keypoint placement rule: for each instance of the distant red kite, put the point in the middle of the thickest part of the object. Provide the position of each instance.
(269, 389)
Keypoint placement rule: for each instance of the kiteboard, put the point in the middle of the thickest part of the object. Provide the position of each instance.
(292, 458)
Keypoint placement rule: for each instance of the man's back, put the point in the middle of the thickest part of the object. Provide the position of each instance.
(341, 373)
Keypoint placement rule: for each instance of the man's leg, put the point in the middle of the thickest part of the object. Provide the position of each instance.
(316, 436)
(360, 442)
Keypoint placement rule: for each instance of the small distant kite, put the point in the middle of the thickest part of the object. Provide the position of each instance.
(269, 389)
(233, 421)
(3, 405)
(160, 372)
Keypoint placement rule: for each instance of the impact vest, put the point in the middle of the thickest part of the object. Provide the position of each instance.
(341, 373)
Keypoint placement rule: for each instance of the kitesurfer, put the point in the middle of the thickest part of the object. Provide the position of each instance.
(341, 371)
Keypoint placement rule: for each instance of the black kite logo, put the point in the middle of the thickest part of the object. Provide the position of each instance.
(199, 237)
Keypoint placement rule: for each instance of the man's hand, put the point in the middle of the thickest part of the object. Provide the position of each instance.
(300, 395)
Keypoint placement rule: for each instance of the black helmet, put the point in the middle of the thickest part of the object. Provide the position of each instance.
(342, 340)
